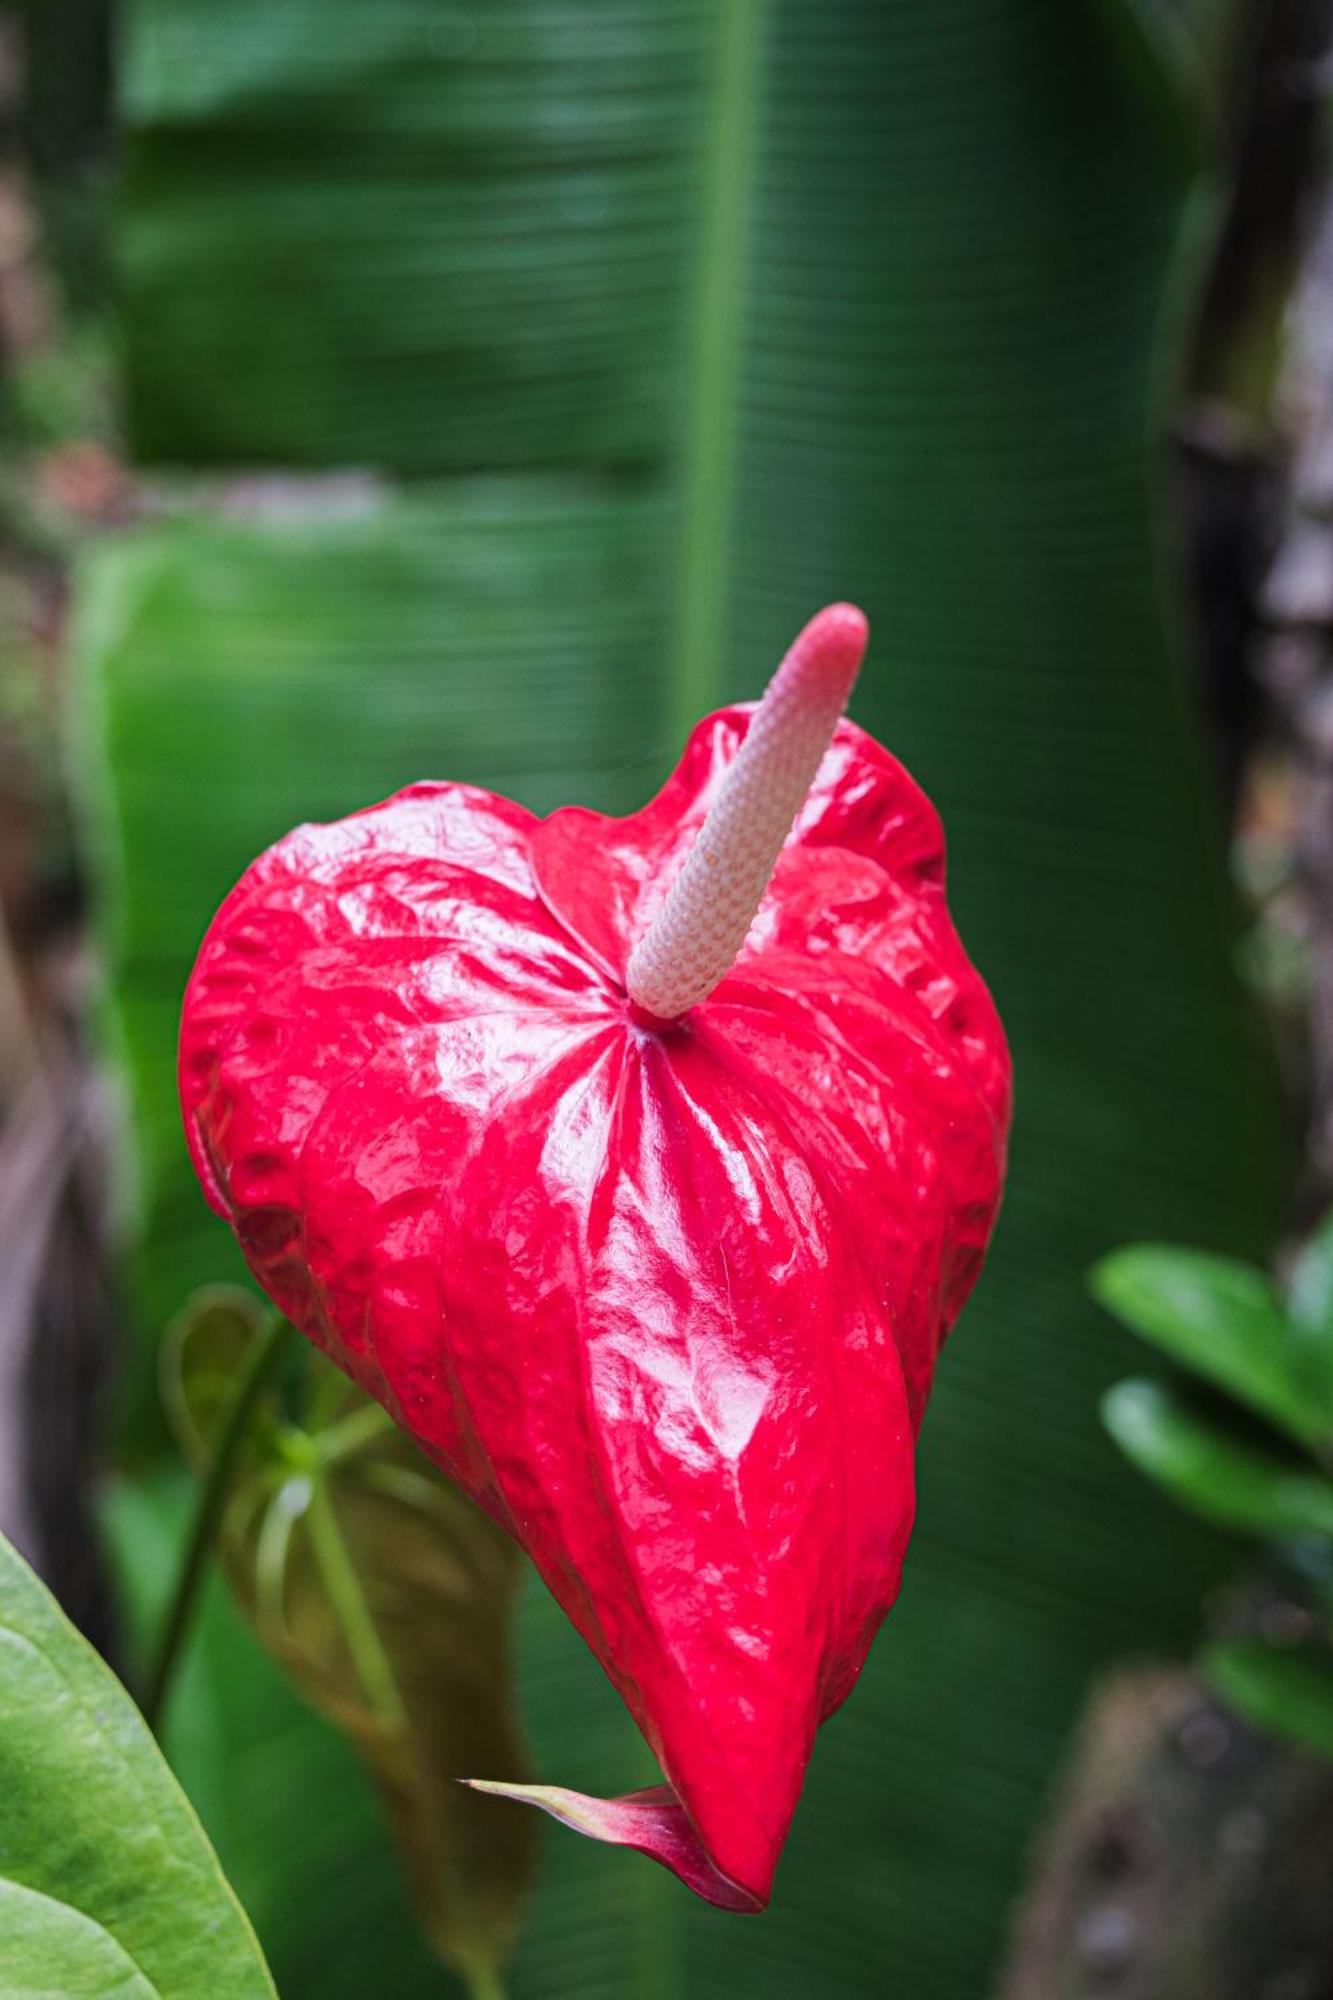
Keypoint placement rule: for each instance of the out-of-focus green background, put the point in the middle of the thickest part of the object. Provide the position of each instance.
(488, 390)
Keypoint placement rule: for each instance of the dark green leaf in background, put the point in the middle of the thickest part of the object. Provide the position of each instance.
(108, 1885)
(431, 237)
(1180, 50)
(387, 1597)
(1209, 1466)
(884, 321)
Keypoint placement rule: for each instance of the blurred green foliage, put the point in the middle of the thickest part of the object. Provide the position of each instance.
(698, 317)
(1272, 1479)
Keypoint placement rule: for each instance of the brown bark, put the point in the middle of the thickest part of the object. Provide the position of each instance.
(1297, 665)
(1188, 1858)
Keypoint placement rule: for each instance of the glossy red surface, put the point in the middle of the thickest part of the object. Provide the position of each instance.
(666, 1301)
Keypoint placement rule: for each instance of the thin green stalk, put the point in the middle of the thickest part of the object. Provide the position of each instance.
(341, 1441)
(483, 1982)
(245, 1387)
(337, 1571)
(374, 1670)
(381, 1687)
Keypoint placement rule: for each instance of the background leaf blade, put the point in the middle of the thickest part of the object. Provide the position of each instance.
(1218, 1317)
(1289, 1692)
(1205, 1465)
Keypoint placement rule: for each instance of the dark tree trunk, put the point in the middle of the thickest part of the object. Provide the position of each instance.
(1188, 1858)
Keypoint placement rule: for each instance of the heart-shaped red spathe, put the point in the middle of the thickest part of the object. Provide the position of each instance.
(665, 1300)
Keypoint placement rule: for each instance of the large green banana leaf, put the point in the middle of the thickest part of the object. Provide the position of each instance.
(419, 234)
(740, 308)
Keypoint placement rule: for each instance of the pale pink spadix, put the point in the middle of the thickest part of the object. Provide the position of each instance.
(693, 941)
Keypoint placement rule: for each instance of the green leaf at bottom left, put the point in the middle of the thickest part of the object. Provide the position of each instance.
(109, 1889)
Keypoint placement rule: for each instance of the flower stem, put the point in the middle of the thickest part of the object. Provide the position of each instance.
(483, 1982)
(246, 1384)
(351, 1434)
(373, 1668)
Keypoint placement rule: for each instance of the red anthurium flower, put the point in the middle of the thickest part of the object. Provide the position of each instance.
(639, 1167)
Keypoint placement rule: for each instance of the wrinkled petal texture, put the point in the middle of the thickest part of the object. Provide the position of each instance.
(666, 1302)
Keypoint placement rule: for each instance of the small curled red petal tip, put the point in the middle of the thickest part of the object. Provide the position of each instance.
(639, 1167)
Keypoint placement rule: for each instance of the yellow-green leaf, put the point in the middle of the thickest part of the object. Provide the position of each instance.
(387, 1598)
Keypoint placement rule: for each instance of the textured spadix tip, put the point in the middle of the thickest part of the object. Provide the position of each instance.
(826, 655)
(702, 925)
